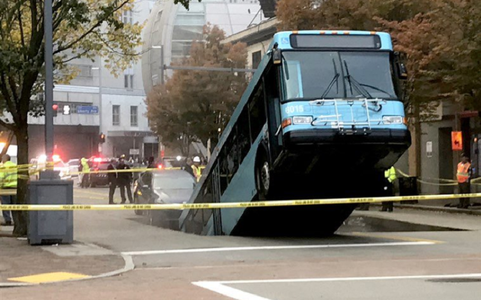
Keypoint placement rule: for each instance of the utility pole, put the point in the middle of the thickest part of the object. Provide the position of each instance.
(48, 81)
(100, 102)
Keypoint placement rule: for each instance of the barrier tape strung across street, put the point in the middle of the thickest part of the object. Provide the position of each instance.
(448, 182)
(278, 203)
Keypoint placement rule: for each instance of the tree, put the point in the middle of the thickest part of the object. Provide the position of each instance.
(194, 105)
(81, 28)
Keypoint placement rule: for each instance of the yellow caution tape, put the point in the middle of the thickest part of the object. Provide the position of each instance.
(8, 192)
(276, 203)
(123, 171)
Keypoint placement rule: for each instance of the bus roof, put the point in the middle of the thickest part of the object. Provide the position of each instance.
(332, 39)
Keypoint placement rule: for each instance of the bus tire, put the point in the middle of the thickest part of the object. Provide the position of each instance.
(138, 212)
(264, 178)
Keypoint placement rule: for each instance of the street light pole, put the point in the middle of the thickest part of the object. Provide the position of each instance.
(100, 102)
(48, 80)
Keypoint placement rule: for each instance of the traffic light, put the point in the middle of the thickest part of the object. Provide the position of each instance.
(102, 138)
(55, 109)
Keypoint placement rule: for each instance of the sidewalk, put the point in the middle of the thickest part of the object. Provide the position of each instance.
(22, 264)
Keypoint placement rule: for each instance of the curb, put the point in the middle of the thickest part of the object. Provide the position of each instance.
(450, 210)
(129, 266)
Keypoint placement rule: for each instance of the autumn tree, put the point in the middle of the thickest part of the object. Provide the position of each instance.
(81, 29)
(194, 105)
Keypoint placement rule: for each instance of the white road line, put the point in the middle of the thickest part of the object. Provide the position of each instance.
(228, 291)
(221, 288)
(449, 276)
(287, 247)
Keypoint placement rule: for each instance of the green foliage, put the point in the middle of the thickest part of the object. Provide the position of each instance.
(81, 29)
(195, 104)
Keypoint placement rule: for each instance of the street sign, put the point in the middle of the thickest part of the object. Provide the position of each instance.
(87, 110)
(134, 151)
(457, 140)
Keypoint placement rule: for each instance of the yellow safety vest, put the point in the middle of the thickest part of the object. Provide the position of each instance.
(197, 172)
(8, 175)
(85, 166)
(390, 174)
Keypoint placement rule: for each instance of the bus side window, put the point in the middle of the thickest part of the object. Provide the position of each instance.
(243, 141)
(257, 114)
(206, 195)
(223, 171)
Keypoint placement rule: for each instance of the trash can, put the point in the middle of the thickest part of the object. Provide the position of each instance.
(51, 227)
(408, 186)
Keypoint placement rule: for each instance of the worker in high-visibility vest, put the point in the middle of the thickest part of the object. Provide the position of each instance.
(84, 181)
(8, 180)
(390, 175)
(196, 168)
(463, 175)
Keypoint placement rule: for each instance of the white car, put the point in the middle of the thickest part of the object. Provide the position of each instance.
(73, 166)
(37, 165)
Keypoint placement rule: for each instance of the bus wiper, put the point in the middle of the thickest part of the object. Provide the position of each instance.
(376, 88)
(334, 80)
(355, 83)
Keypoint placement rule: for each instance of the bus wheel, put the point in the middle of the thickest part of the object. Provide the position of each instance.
(138, 212)
(264, 178)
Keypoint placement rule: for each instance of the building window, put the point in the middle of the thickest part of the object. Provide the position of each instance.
(256, 59)
(128, 81)
(134, 122)
(115, 115)
(127, 17)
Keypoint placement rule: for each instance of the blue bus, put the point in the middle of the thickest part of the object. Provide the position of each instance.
(322, 117)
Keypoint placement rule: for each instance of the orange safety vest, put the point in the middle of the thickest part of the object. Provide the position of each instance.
(463, 172)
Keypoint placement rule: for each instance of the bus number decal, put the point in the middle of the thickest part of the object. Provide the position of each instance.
(295, 109)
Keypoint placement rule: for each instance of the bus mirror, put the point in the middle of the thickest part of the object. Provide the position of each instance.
(402, 71)
(276, 56)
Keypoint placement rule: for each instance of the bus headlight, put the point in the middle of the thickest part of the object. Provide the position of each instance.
(393, 120)
(301, 120)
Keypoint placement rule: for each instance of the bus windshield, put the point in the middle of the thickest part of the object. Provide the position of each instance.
(333, 74)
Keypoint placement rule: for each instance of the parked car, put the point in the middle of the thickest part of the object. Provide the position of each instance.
(73, 165)
(163, 186)
(98, 164)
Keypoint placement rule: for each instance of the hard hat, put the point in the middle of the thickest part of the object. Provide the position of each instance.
(197, 159)
(122, 156)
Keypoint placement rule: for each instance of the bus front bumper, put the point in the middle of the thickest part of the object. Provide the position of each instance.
(315, 137)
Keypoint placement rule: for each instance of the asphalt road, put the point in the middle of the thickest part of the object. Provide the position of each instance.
(386, 264)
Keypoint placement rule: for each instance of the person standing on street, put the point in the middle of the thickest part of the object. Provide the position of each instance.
(188, 166)
(196, 168)
(85, 173)
(8, 180)
(124, 179)
(390, 176)
(463, 175)
(151, 163)
(112, 177)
